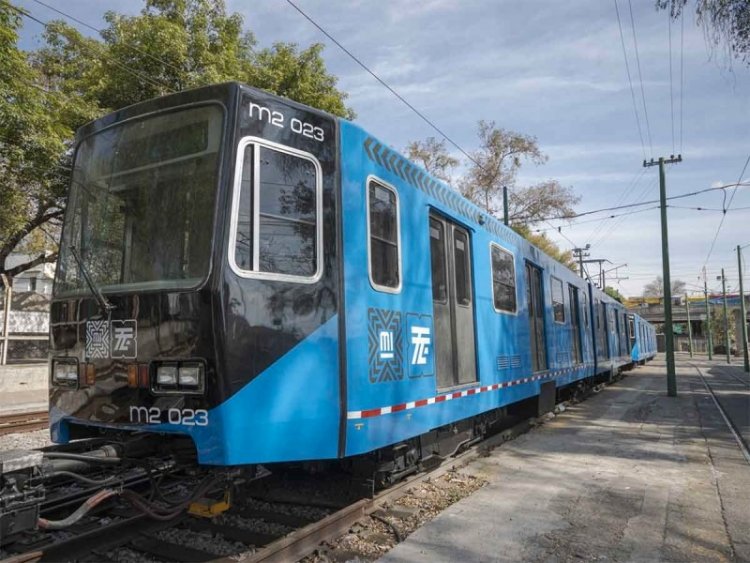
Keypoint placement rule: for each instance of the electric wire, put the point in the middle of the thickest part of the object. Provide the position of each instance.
(630, 80)
(385, 84)
(671, 87)
(137, 74)
(682, 73)
(725, 209)
(640, 78)
(640, 203)
(623, 196)
(101, 33)
(598, 219)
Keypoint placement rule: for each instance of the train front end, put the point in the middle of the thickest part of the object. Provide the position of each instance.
(196, 290)
(131, 314)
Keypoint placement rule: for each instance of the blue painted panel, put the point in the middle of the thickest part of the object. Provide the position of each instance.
(290, 412)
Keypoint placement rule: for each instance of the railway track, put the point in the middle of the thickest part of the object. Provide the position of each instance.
(725, 413)
(269, 521)
(23, 422)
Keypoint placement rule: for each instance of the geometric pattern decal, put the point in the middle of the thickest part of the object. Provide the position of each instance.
(407, 171)
(385, 345)
(97, 339)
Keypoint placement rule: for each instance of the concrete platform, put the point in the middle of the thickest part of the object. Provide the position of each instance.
(628, 475)
(23, 388)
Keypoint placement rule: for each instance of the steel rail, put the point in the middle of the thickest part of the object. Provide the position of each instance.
(23, 422)
(728, 421)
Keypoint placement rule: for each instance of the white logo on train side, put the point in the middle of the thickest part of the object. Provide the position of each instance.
(386, 345)
(421, 340)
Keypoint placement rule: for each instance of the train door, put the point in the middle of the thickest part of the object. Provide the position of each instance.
(535, 300)
(631, 331)
(618, 340)
(452, 301)
(575, 324)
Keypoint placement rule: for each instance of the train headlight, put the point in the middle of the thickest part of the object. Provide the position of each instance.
(191, 375)
(178, 377)
(166, 376)
(65, 372)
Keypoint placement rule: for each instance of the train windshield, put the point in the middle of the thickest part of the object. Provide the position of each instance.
(141, 205)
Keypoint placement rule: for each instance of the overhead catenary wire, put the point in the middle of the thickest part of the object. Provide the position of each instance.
(671, 82)
(630, 205)
(640, 78)
(422, 116)
(725, 209)
(630, 80)
(682, 73)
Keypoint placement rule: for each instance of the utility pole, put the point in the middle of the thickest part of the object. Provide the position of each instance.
(708, 319)
(669, 332)
(726, 315)
(505, 205)
(743, 311)
(690, 327)
(581, 253)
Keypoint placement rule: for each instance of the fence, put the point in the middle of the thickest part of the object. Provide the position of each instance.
(24, 326)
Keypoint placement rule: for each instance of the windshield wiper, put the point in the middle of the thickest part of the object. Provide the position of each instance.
(102, 301)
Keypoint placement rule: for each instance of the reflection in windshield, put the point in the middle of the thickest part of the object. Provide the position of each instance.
(141, 204)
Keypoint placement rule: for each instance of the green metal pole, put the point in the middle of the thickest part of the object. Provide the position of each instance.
(743, 311)
(708, 321)
(690, 327)
(668, 325)
(505, 205)
(726, 315)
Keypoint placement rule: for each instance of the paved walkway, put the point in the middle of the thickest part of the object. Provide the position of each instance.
(628, 475)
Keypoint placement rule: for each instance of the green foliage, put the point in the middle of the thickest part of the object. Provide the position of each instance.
(32, 143)
(542, 241)
(718, 328)
(725, 23)
(172, 45)
(614, 294)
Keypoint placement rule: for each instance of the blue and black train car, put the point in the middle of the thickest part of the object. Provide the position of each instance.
(278, 285)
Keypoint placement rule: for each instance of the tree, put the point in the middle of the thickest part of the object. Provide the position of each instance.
(496, 164)
(543, 242)
(434, 157)
(33, 172)
(718, 328)
(614, 294)
(172, 45)
(725, 23)
(656, 288)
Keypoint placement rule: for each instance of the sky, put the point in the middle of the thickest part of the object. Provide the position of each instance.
(556, 71)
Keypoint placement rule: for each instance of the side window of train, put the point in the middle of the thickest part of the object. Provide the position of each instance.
(585, 305)
(503, 279)
(277, 209)
(558, 303)
(384, 229)
(462, 265)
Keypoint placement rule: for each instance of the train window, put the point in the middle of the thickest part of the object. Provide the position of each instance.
(461, 260)
(585, 302)
(558, 303)
(439, 278)
(503, 279)
(277, 214)
(384, 233)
